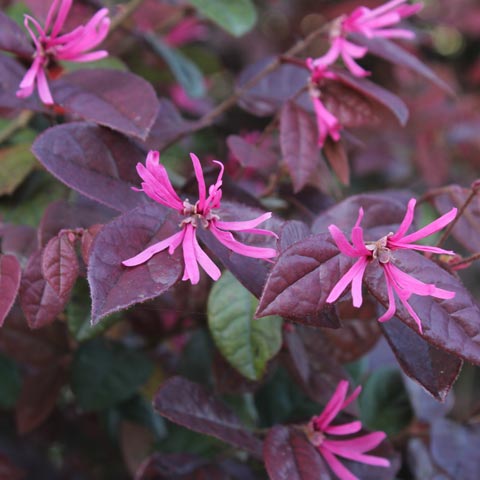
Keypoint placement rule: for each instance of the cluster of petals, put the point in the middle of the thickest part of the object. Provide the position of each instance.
(327, 123)
(320, 430)
(201, 214)
(397, 282)
(52, 45)
(371, 23)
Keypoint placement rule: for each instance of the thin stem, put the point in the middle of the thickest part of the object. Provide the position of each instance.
(465, 261)
(124, 14)
(447, 232)
(14, 126)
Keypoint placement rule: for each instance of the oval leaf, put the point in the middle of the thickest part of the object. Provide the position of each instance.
(246, 343)
(94, 161)
(452, 325)
(114, 286)
(289, 455)
(118, 100)
(188, 404)
(10, 273)
(236, 17)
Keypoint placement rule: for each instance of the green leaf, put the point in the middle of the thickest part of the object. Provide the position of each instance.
(10, 382)
(106, 373)
(384, 403)
(185, 71)
(16, 162)
(246, 343)
(236, 17)
(79, 314)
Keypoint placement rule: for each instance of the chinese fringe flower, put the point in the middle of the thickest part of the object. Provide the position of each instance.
(320, 430)
(328, 124)
(51, 46)
(397, 282)
(371, 23)
(157, 186)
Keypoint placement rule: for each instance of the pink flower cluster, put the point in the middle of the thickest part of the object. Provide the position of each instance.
(200, 214)
(397, 282)
(320, 429)
(51, 45)
(370, 23)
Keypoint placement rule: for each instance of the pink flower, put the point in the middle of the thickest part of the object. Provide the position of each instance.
(320, 429)
(157, 186)
(51, 46)
(397, 282)
(328, 124)
(370, 23)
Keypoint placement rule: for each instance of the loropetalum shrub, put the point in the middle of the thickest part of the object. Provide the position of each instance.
(334, 248)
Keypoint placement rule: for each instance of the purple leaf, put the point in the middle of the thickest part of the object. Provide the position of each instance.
(11, 74)
(252, 156)
(95, 161)
(10, 274)
(299, 142)
(291, 232)
(337, 158)
(118, 100)
(301, 280)
(60, 263)
(452, 325)
(191, 406)
(19, 240)
(13, 39)
(467, 229)
(374, 92)
(39, 301)
(289, 455)
(168, 125)
(434, 369)
(391, 52)
(115, 287)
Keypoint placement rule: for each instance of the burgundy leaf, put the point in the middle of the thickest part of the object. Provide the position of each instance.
(467, 229)
(250, 155)
(12, 38)
(374, 92)
(167, 126)
(435, 369)
(94, 161)
(188, 404)
(452, 325)
(39, 301)
(10, 274)
(301, 280)
(289, 455)
(11, 74)
(454, 448)
(299, 142)
(60, 263)
(118, 100)
(115, 287)
(337, 158)
(391, 52)
(291, 232)
(61, 215)
(38, 396)
(273, 90)
(19, 240)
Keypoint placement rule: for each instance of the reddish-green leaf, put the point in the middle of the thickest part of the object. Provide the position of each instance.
(114, 286)
(190, 405)
(10, 274)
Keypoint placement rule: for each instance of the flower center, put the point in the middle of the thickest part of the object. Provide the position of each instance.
(315, 437)
(379, 249)
(195, 217)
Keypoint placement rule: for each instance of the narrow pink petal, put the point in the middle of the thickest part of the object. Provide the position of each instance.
(431, 228)
(394, 33)
(422, 248)
(345, 429)
(149, 252)
(85, 57)
(337, 467)
(215, 192)
(191, 272)
(357, 282)
(391, 298)
(353, 50)
(61, 17)
(201, 181)
(406, 222)
(331, 56)
(229, 241)
(354, 67)
(357, 269)
(333, 406)
(66, 38)
(413, 313)
(352, 397)
(26, 20)
(355, 455)
(359, 242)
(205, 261)
(385, 7)
(360, 444)
(43, 88)
(245, 224)
(374, 23)
(342, 242)
(28, 81)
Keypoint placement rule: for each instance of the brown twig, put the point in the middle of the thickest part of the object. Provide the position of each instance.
(465, 261)
(126, 11)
